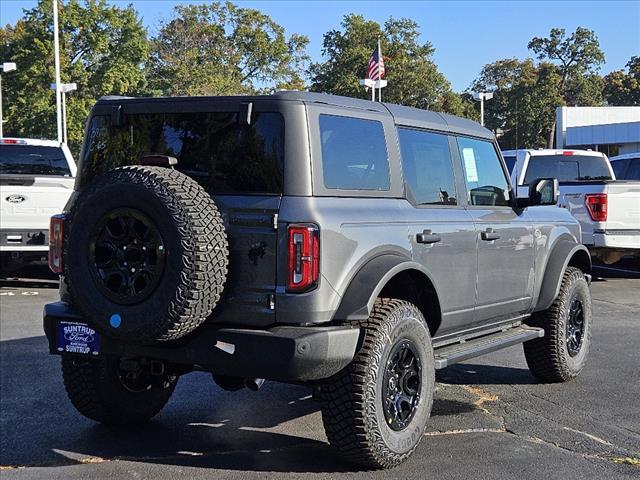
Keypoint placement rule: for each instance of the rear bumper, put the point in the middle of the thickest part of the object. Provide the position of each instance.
(617, 239)
(24, 239)
(288, 354)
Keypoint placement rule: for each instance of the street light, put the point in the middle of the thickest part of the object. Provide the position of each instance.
(64, 89)
(6, 67)
(481, 97)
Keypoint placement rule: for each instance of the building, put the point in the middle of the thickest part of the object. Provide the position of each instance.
(612, 130)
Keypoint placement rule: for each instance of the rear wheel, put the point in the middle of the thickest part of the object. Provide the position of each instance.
(375, 410)
(100, 389)
(561, 354)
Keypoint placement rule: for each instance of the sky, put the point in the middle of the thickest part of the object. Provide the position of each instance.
(466, 35)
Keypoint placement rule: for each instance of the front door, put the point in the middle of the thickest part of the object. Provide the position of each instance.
(504, 237)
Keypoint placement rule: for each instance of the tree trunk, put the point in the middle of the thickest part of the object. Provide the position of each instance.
(552, 134)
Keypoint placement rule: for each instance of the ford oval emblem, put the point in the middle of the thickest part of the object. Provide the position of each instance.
(15, 198)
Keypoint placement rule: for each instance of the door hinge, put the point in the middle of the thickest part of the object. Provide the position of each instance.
(275, 221)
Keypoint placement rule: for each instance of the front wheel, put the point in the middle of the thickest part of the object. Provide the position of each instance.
(562, 353)
(102, 391)
(375, 410)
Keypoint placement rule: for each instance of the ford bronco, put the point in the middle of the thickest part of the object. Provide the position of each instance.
(352, 246)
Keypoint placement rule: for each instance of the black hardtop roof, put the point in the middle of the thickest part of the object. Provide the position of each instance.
(405, 116)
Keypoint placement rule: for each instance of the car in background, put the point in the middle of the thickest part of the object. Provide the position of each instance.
(608, 210)
(36, 180)
(626, 166)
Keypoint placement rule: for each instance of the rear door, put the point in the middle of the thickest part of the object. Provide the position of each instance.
(239, 164)
(441, 230)
(505, 238)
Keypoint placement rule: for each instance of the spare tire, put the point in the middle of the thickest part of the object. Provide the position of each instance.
(146, 254)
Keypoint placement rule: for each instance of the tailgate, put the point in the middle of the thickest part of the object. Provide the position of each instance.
(29, 202)
(623, 212)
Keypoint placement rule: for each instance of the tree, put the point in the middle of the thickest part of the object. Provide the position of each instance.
(221, 49)
(413, 77)
(523, 106)
(622, 88)
(102, 49)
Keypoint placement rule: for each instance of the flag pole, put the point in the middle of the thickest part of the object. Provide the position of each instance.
(379, 78)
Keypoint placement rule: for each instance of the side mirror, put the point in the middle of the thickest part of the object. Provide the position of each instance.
(542, 191)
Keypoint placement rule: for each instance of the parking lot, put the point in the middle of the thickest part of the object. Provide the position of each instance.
(491, 419)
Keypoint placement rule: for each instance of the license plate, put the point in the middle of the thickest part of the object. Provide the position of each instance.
(76, 337)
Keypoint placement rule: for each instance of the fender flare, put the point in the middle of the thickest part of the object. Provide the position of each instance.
(359, 297)
(563, 252)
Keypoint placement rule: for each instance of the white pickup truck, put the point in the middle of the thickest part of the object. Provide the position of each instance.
(36, 180)
(608, 209)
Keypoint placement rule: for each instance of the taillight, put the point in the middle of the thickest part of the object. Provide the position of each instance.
(596, 206)
(56, 231)
(304, 257)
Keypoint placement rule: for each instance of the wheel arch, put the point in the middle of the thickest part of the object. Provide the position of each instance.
(392, 276)
(565, 253)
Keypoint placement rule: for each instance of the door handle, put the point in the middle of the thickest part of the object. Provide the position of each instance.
(489, 235)
(428, 237)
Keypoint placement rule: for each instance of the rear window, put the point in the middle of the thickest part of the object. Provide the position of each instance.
(567, 168)
(619, 168)
(633, 172)
(33, 160)
(222, 154)
(354, 153)
(510, 161)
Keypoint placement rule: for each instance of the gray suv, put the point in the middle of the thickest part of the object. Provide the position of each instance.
(352, 246)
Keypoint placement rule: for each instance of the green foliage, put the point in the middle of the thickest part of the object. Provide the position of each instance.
(220, 49)
(413, 77)
(102, 49)
(623, 88)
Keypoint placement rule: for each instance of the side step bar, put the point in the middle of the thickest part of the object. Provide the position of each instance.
(458, 352)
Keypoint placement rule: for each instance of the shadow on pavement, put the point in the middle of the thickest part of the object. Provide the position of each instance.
(202, 426)
(471, 374)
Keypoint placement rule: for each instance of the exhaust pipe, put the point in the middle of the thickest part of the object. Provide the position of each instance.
(253, 384)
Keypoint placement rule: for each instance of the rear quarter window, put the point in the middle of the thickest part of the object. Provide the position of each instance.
(354, 153)
(33, 160)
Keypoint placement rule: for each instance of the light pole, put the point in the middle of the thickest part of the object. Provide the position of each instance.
(64, 89)
(56, 61)
(481, 97)
(6, 67)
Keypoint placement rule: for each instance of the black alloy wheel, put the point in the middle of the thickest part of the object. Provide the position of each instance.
(126, 256)
(575, 326)
(401, 382)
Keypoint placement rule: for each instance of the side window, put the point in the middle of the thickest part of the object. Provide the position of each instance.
(483, 173)
(354, 153)
(511, 162)
(633, 172)
(427, 167)
(619, 167)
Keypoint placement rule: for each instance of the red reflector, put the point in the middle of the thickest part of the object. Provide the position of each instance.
(304, 257)
(56, 232)
(596, 204)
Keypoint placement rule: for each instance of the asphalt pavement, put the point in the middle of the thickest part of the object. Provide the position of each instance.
(491, 419)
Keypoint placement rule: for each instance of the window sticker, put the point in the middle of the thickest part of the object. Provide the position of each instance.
(470, 164)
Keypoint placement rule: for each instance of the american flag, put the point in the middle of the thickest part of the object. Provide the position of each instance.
(375, 67)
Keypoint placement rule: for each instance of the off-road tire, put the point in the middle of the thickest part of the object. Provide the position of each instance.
(351, 400)
(195, 265)
(96, 392)
(548, 357)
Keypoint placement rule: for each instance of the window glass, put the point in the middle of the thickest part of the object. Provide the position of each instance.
(354, 153)
(33, 160)
(221, 153)
(633, 172)
(619, 167)
(427, 167)
(485, 178)
(511, 162)
(567, 168)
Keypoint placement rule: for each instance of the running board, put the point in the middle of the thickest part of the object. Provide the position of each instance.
(458, 352)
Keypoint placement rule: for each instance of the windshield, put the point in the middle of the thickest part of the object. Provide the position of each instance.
(215, 148)
(33, 160)
(568, 168)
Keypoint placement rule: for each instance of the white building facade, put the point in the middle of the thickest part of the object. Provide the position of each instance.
(612, 130)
